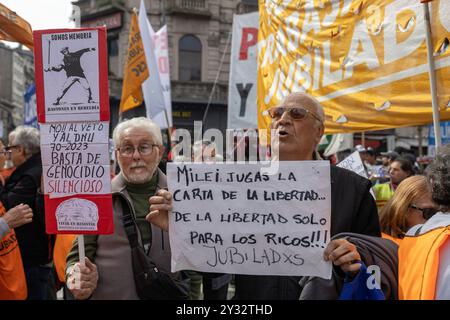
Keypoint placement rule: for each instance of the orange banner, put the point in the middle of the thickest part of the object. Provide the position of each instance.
(14, 28)
(135, 71)
(364, 60)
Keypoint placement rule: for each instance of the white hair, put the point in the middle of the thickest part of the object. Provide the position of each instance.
(27, 137)
(140, 122)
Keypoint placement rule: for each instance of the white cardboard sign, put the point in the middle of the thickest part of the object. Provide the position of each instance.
(231, 218)
(353, 163)
(75, 158)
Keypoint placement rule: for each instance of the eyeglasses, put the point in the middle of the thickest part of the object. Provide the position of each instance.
(143, 149)
(296, 113)
(9, 148)
(426, 212)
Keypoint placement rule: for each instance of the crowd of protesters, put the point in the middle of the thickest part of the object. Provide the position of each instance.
(402, 213)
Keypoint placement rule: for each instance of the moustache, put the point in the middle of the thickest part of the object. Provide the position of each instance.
(137, 165)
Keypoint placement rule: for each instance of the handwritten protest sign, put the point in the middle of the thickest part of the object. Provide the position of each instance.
(75, 158)
(75, 161)
(231, 218)
(353, 163)
(73, 112)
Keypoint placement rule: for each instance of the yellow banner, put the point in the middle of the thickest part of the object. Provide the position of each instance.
(14, 28)
(135, 70)
(364, 60)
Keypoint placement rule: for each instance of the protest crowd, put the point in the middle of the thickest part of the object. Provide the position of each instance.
(416, 204)
(146, 230)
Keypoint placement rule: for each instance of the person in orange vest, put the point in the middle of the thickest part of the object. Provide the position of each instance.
(63, 244)
(424, 254)
(411, 205)
(13, 285)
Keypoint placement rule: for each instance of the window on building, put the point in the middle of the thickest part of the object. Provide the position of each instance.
(113, 56)
(190, 59)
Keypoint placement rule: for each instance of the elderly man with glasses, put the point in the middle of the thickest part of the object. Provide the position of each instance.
(22, 188)
(299, 125)
(108, 273)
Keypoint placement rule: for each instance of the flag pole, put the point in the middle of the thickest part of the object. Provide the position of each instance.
(81, 251)
(432, 75)
(168, 127)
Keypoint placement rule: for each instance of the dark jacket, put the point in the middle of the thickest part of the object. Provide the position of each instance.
(353, 209)
(22, 187)
(374, 251)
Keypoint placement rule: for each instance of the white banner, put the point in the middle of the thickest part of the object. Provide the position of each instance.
(152, 88)
(160, 42)
(243, 70)
(231, 218)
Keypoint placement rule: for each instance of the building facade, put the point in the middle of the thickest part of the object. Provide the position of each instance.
(199, 38)
(17, 73)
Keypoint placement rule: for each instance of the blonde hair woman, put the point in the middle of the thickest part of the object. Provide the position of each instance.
(410, 205)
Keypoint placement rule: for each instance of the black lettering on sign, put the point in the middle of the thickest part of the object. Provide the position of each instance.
(182, 216)
(243, 93)
(232, 195)
(205, 238)
(308, 219)
(244, 239)
(303, 195)
(205, 217)
(194, 194)
(189, 176)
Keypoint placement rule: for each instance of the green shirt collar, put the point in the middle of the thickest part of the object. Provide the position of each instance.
(143, 188)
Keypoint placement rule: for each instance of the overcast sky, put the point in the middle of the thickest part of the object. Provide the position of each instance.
(43, 14)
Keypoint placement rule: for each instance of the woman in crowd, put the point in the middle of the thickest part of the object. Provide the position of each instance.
(424, 254)
(410, 205)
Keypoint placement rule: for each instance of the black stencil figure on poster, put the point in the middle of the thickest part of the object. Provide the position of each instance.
(74, 72)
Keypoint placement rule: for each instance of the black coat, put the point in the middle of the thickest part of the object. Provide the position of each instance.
(353, 209)
(21, 187)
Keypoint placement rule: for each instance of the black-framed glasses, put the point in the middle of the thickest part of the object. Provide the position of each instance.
(296, 113)
(144, 149)
(426, 212)
(9, 148)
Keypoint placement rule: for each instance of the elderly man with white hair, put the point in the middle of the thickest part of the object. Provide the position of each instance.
(21, 188)
(108, 273)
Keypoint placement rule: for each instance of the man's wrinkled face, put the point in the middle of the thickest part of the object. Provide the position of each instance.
(138, 155)
(296, 137)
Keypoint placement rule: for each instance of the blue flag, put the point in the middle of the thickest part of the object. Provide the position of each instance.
(445, 137)
(30, 112)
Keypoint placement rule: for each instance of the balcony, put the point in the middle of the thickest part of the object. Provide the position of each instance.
(189, 7)
(196, 91)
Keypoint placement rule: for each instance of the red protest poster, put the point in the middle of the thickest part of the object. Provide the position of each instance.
(73, 111)
(71, 74)
(82, 214)
(76, 174)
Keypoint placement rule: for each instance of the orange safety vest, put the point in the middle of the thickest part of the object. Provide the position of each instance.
(13, 285)
(63, 244)
(418, 264)
(386, 236)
